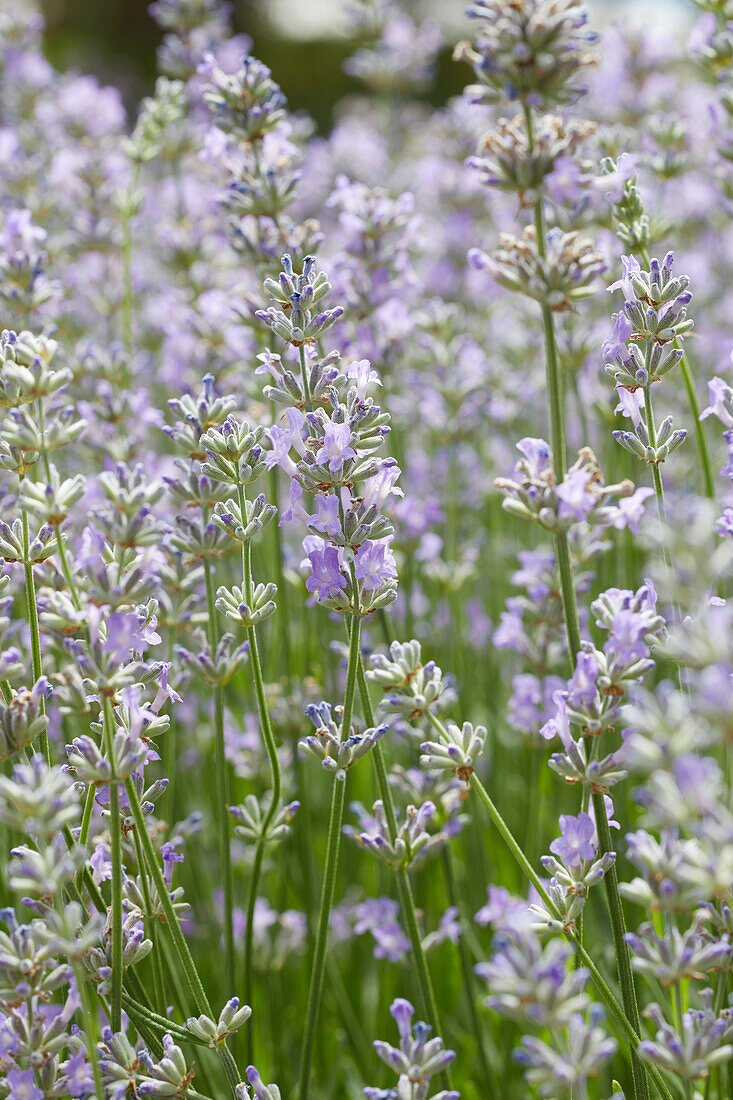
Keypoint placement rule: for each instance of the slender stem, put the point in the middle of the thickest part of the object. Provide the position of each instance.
(222, 781)
(161, 1023)
(404, 887)
(567, 593)
(198, 993)
(557, 428)
(552, 368)
(657, 477)
(599, 981)
(90, 1030)
(71, 587)
(304, 377)
(271, 749)
(490, 1086)
(319, 958)
(151, 927)
(282, 589)
(700, 438)
(249, 940)
(338, 799)
(115, 835)
(652, 433)
(86, 819)
(618, 928)
(32, 609)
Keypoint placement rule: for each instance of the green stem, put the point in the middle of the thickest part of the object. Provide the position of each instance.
(657, 478)
(115, 835)
(282, 590)
(606, 993)
(198, 993)
(90, 1030)
(222, 781)
(557, 428)
(304, 377)
(86, 819)
(160, 1023)
(567, 593)
(271, 749)
(700, 438)
(71, 587)
(338, 799)
(151, 928)
(32, 609)
(249, 940)
(404, 887)
(552, 368)
(490, 1086)
(618, 928)
(652, 432)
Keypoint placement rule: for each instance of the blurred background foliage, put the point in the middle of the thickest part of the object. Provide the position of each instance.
(116, 40)
(305, 42)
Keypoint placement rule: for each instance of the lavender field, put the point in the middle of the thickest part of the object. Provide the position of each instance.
(366, 539)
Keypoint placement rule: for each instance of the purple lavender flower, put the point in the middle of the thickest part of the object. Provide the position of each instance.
(326, 578)
(23, 1085)
(336, 446)
(582, 685)
(578, 842)
(375, 564)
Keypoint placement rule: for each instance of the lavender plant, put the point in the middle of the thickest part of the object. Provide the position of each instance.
(328, 549)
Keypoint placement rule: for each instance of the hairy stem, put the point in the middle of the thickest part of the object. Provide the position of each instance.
(222, 781)
(606, 993)
(32, 610)
(304, 377)
(338, 799)
(404, 887)
(115, 835)
(185, 958)
(557, 430)
(151, 928)
(490, 1086)
(271, 749)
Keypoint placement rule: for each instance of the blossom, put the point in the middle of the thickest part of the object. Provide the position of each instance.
(336, 446)
(721, 402)
(23, 1086)
(361, 373)
(614, 346)
(326, 578)
(578, 841)
(626, 637)
(576, 499)
(582, 685)
(631, 509)
(537, 453)
(374, 563)
(630, 267)
(326, 517)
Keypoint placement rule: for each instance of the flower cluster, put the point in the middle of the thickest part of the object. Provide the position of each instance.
(416, 1060)
(581, 497)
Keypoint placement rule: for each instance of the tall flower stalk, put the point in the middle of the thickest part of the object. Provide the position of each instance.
(554, 276)
(333, 846)
(234, 457)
